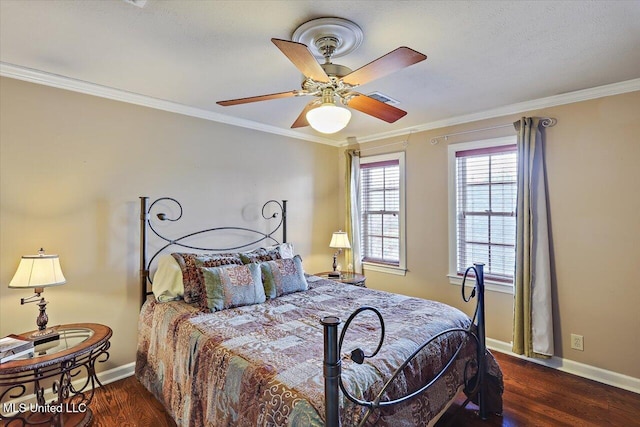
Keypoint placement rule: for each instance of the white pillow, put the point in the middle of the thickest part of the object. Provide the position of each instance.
(285, 250)
(167, 282)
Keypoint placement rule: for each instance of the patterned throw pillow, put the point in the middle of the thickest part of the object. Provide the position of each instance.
(233, 286)
(283, 276)
(260, 255)
(194, 290)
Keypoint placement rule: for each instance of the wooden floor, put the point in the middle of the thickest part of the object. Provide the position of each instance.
(534, 396)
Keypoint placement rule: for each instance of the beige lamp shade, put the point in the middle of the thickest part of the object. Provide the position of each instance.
(340, 240)
(38, 271)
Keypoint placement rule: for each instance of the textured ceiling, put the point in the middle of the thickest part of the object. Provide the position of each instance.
(482, 55)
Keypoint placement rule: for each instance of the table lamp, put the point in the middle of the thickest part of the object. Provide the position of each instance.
(339, 241)
(38, 272)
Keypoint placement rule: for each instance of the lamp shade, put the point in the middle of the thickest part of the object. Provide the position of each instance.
(38, 271)
(328, 118)
(340, 240)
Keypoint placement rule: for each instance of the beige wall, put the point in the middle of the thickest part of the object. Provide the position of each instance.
(593, 170)
(72, 167)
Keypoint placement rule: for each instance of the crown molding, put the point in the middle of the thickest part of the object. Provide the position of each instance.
(507, 110)
(61, 82)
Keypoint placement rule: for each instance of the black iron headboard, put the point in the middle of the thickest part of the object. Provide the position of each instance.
(254, 237)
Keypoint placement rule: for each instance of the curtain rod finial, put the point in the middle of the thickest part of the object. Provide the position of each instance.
(548, 122)
(436, 140)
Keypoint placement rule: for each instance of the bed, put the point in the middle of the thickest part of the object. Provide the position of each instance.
(303, 351)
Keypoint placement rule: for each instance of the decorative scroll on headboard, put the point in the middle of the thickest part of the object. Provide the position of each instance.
(253, 237)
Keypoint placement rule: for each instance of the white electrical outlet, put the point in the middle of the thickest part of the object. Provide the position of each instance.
(577, 342)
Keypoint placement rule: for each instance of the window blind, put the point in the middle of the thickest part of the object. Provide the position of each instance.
(486, 181)
(380, 207)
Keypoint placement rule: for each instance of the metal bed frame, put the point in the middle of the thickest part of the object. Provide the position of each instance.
(475, 385)
(254, 237)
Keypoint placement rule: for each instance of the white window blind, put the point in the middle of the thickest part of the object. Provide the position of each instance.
(380, 207)
(486, 186)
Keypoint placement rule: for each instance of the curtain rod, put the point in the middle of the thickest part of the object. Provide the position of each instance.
(404, 145)
(546, 122)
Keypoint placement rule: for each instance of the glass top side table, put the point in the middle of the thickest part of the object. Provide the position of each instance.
(56, 364)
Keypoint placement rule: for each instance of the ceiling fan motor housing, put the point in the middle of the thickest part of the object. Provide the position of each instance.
(327, 46)
(336, 70)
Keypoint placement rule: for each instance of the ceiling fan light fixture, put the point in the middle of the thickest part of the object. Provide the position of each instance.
(328, 118)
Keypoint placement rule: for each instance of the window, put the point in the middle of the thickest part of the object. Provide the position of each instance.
(382, 212)
(482, 209)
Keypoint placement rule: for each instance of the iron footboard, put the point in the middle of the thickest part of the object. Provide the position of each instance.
(333, 368)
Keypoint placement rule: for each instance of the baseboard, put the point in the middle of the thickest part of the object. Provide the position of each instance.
(105, 377)
(576, 368)
(117, 373)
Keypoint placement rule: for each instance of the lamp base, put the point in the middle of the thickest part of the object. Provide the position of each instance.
(334, 275)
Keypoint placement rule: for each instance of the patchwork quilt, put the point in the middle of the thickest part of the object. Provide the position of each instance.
(261, 364)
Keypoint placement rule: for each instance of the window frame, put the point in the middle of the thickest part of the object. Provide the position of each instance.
(401, 268)
(454, 278)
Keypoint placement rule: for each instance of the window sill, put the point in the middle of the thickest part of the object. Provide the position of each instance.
(489, 285)
(399, 271)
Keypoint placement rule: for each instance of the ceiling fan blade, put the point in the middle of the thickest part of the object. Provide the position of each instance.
(393, 61)
(302, 58)
(301, 121)
(375, 108)
(258, 98)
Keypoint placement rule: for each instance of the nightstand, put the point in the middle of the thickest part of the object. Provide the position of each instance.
(348, 278)
(76, 351)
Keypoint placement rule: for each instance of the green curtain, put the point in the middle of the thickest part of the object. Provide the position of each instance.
(533, 323)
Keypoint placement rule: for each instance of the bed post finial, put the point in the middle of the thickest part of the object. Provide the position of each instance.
(331, 372)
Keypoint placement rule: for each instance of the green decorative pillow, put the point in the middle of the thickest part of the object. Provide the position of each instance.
(194, 291)
(233, 286)
(283, 276)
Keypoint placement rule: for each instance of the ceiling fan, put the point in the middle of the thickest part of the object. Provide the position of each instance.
(328, 82)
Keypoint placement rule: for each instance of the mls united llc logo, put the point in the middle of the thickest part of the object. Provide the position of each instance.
(47, 408)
